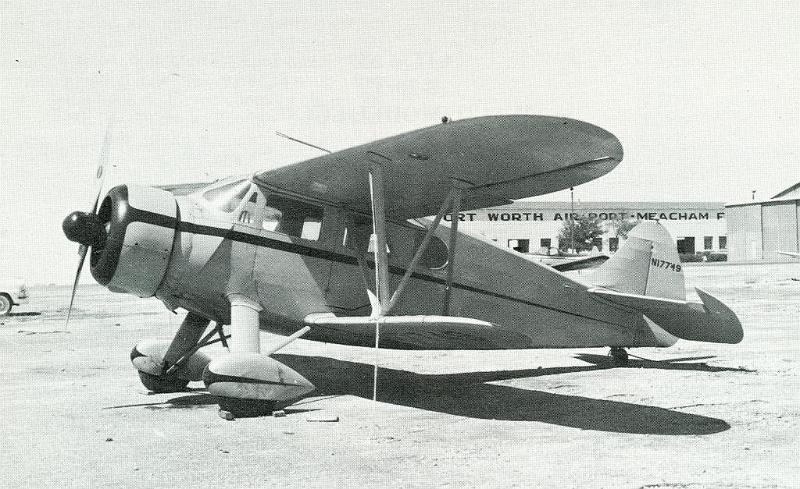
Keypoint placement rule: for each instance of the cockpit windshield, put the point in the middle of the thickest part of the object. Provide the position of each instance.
(227, 197)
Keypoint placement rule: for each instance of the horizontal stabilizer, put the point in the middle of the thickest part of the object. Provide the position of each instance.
(710, 320)
(419, 332)
(572, 265)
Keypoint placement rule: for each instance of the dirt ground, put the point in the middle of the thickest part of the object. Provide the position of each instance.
(694, 415)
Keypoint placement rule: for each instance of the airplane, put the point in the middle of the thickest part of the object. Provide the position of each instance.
(336, 248)
(564, 262)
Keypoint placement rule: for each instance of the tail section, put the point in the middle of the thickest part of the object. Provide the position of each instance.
(646, 275)
(647, 264)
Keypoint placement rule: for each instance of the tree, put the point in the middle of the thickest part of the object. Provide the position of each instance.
(583, 230)
(623, 226)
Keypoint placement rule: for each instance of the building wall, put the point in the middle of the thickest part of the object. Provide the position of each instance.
(779, 224)
(538, 221)
(758, 230)
(744, 224)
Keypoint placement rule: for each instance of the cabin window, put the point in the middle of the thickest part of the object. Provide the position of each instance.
(293, 217)
(435, 256)
(227, 198)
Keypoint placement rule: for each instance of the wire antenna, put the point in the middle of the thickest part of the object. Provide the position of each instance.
(303, 142)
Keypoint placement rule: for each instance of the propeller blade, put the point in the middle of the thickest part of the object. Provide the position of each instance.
(102, 161)
(82, 253)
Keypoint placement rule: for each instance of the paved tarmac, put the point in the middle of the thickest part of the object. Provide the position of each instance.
(694, 415)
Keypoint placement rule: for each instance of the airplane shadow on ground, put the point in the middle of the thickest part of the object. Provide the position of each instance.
(605, 361)
(469, 394)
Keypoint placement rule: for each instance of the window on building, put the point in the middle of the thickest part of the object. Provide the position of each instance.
(597, 243)
(723, 242)
(293, 217)
(708, 242)
(521, 245)
(685, 245)
(613, 244)
(545, 243)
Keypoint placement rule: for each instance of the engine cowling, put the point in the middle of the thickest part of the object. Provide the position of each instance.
(139, 224)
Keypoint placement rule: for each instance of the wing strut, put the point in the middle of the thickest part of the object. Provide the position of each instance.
(379, 229)
(451, 250)
(376, 187)
(385, 299)
(423, 247)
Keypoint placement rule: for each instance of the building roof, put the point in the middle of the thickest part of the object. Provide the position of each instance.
(535, 204)
(791, 192)
(773, 200)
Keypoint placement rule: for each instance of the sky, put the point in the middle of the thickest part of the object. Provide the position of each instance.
(704, 96)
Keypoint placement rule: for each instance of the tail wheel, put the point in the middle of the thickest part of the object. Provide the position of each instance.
(162, 384)
(619, 356)
(5, 304)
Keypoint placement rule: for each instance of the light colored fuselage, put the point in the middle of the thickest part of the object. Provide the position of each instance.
(232, 250)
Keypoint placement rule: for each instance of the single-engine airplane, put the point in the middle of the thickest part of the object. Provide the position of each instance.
(336, 248)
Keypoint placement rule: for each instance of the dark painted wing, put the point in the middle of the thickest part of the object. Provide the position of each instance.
(497, 158)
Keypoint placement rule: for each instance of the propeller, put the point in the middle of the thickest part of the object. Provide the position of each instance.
(86, 228)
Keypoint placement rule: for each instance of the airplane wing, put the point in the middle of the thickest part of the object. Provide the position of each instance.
(495, 158)
(418, 332)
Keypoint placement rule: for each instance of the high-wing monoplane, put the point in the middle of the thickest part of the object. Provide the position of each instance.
(338, 248)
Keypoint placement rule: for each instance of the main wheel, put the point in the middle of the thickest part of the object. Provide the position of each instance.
(246, 408)
(5, 304)
(162, 384)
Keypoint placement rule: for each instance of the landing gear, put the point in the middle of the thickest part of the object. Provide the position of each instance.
(162, 384)
(248, 382)
(619, 356)
(169, 366)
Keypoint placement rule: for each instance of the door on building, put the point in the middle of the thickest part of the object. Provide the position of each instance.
(520, 245)
(597, 243)
(686, 245)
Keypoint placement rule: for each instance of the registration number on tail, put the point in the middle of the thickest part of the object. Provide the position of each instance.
(675, 267)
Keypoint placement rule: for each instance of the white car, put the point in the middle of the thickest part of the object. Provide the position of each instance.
(12, 294)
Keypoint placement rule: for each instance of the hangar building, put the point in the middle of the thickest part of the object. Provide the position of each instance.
(534, 226)
(759, 229)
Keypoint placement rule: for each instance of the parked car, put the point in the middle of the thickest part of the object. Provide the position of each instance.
(12, 293)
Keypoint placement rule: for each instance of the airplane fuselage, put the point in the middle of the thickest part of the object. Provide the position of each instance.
(220, 250)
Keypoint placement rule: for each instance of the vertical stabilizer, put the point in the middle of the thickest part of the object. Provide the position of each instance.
(646, 264)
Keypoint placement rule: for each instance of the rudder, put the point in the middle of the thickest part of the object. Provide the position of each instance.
(646, 264)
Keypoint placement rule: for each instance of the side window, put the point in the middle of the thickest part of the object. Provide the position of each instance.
(435, 257)
(293, 217)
